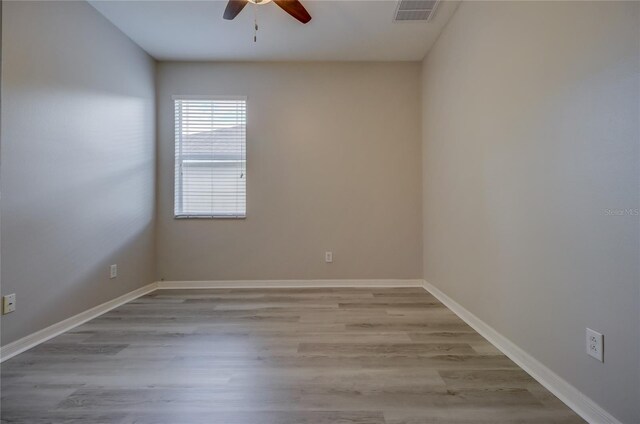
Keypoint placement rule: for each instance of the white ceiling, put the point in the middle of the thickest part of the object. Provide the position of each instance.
(353, 30)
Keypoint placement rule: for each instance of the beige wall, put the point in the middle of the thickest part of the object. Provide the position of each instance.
(333, 163)
(77, 166)
(530, 134)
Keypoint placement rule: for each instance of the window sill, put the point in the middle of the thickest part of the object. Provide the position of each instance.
(209, 217)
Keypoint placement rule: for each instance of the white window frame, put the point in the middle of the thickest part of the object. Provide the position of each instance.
(179, 180)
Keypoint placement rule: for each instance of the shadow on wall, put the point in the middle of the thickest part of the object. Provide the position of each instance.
(78, 195)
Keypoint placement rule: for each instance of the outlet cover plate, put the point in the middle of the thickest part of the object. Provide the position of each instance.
(8, 303)
(328, 257)
(595, 344)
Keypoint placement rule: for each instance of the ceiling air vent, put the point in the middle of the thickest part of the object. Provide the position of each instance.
(415, 10)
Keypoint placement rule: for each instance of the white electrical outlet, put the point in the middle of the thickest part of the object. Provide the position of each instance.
(595, 344)
(113, 271)
(328, 257)
(8, 303)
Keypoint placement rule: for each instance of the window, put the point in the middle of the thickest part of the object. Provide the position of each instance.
(210, 168)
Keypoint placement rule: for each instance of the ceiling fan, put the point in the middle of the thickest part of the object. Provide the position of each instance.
(292, 7)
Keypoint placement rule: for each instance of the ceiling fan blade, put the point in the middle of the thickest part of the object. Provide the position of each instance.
(295, 9)
(233, 8)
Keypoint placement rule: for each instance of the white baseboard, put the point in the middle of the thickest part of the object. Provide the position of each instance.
(572, 397)
(252, 284)
(34, 339)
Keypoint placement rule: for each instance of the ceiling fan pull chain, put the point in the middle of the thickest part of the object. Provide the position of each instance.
(255, 24)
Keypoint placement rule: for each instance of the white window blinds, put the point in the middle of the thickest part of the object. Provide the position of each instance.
(210, 168)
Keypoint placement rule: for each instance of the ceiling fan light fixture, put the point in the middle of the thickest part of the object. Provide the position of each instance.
(259, 1)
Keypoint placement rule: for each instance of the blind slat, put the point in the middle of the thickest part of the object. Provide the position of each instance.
(210, 157)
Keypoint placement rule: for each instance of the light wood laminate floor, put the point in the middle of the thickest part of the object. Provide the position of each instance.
(274, 356)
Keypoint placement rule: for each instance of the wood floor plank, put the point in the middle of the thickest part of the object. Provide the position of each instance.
(260, 417)
(274, 356)
(396, 349)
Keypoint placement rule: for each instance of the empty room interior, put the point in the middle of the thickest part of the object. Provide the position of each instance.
(320, 212)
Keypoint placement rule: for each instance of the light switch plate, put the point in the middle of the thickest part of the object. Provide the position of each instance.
(113, 271)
